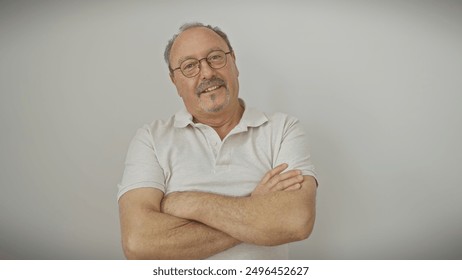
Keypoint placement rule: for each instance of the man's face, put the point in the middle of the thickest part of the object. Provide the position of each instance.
(212, 91)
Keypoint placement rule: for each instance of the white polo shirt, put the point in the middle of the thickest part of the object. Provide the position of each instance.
(180, 155)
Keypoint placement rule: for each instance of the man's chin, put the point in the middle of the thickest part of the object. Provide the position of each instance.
(214, 103)
(213, 107)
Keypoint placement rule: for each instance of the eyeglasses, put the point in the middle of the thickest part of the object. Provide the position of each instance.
(192, 66)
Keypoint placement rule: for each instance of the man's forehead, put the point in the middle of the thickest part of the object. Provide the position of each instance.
(196, 41)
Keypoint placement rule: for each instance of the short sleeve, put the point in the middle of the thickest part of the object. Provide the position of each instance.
(142, 168)
(294, 149)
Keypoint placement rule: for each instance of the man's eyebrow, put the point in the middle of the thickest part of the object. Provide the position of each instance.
(183, 58)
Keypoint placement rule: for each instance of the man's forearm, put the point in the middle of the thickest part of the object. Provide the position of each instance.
(188, 240)
(149, 234)
(270, 219)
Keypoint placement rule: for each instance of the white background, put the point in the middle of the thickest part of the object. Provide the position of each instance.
(377, 85)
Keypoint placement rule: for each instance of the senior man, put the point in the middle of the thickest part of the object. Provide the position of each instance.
(217, 180)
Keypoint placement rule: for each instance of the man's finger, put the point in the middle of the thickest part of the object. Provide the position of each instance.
(275, 171)
(293, 187)
(284, 184)
(276, 179)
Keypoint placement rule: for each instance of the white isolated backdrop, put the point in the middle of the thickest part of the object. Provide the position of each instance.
(377, 85)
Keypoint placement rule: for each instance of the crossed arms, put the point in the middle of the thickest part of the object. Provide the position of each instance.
(197, 225)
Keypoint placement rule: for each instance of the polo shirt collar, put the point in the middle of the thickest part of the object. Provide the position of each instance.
(251, 117)
(183, 118)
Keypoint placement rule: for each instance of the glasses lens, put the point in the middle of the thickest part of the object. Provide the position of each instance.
(216, 59)
(190, 67)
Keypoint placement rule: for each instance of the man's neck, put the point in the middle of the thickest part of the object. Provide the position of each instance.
(223, 122)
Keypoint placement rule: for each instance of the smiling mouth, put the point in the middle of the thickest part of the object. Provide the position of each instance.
(211, 89)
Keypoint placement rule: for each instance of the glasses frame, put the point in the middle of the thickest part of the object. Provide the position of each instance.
(200, 64)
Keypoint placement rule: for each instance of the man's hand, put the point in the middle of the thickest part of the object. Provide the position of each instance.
(275, 180)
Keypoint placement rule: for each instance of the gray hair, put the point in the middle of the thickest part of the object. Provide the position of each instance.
(187, 26)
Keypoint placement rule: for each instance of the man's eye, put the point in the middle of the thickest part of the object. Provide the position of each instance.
(189, 66)
(215, 57)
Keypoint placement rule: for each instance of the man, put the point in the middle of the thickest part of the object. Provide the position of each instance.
(212, 181)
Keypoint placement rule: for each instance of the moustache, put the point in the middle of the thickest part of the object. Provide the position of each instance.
(214, 81)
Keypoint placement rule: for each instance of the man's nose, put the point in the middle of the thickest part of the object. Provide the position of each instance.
(206, 71)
